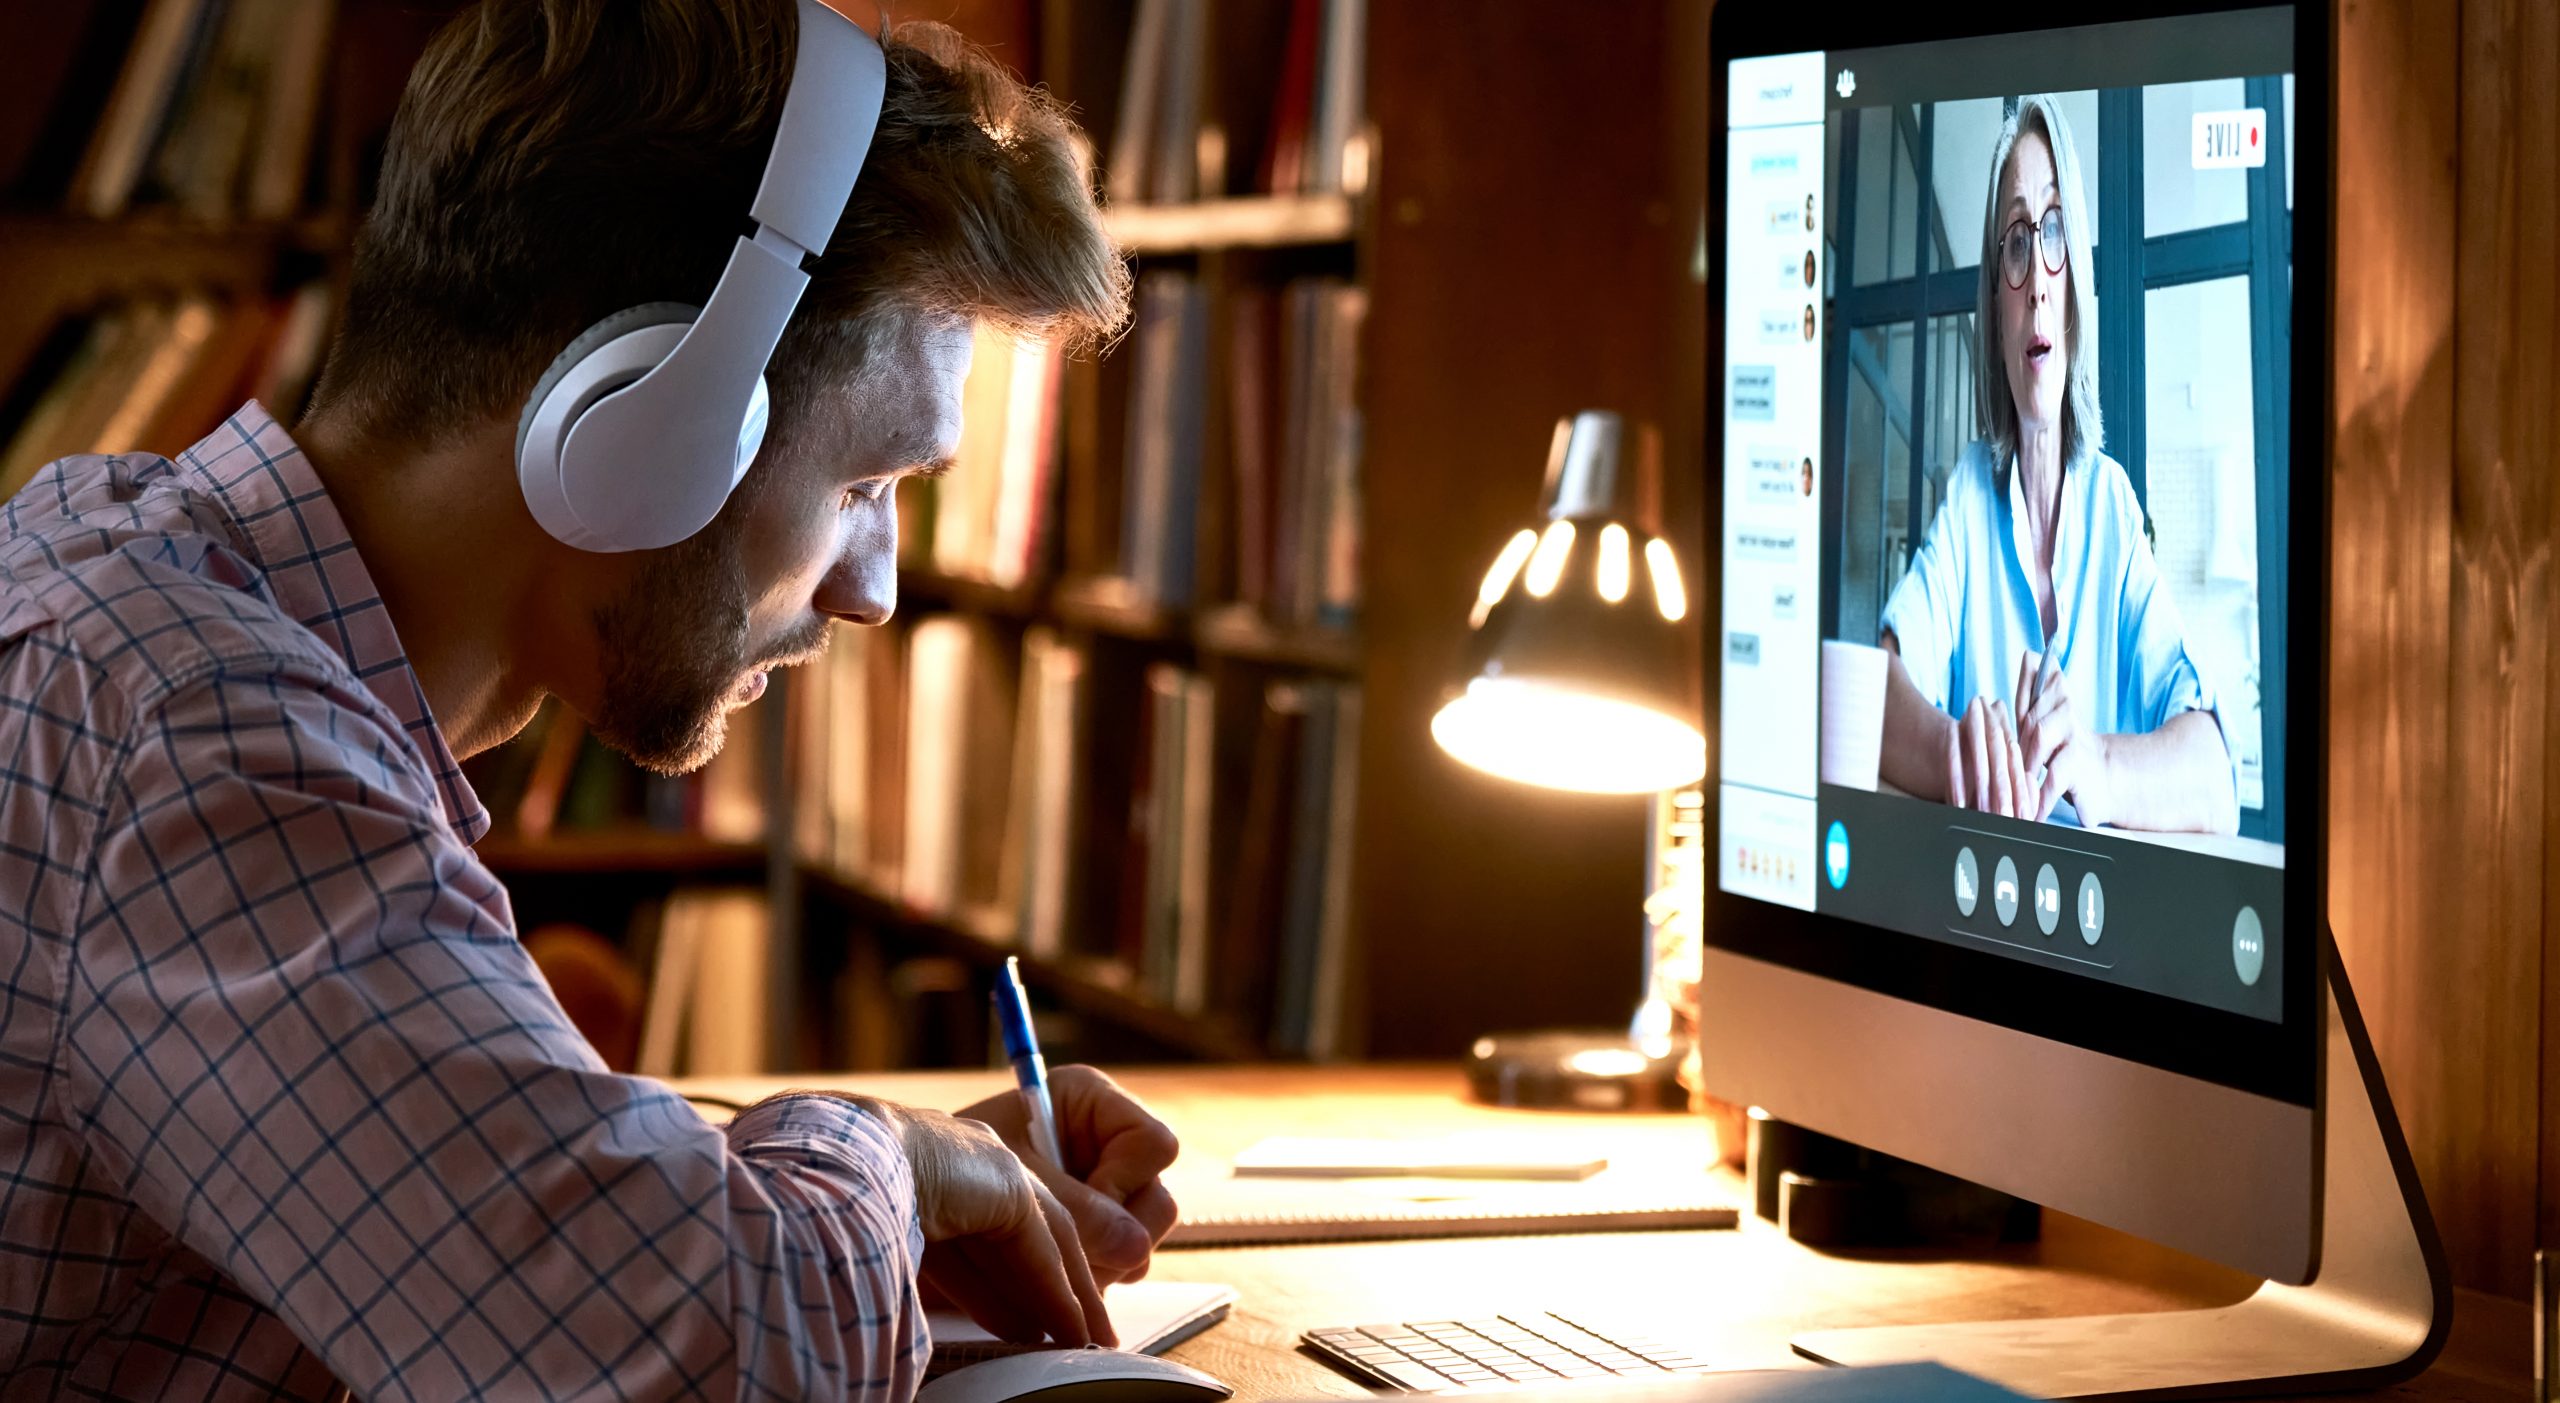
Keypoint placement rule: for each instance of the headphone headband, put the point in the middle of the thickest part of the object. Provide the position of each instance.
(653, 439)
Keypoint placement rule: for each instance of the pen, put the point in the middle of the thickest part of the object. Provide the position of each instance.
(1030, 1074)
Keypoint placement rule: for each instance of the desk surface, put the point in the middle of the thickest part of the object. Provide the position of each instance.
(1739, 1294)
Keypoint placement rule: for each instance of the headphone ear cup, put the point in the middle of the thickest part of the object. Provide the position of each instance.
(629, 319)
(606, 357)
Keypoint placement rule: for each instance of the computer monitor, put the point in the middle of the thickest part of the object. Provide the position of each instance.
(2019, 337)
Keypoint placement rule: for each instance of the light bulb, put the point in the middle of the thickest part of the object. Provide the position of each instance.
(1667, 593)
(1497, 580)
(1544, 734)
(1613, 562)
(1546, 566)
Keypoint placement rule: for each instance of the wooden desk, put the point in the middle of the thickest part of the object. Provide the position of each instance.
(1739, 1295)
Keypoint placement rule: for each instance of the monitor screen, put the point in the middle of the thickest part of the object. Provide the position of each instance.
(2007, 430)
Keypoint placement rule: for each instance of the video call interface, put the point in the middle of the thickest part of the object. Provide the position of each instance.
(2006, 447)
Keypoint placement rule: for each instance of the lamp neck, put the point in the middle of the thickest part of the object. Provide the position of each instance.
(1582, 465)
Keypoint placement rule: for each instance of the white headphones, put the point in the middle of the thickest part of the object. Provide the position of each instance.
(642, 427)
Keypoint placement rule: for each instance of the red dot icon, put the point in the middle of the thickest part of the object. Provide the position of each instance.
(2253, 138)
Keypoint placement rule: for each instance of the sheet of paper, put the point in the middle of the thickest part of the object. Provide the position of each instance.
(1446, 1157)
(1150, 1317)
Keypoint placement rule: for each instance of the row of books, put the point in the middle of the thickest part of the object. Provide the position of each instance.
(1292, 455)
(696, 985)
(1294, 413)
(556, 777)
(993, 517)
(206, 107)
(1282, 527)
(710, 985)
(687, 989)
(1083, 805)
(156, 374)
(1171, 140)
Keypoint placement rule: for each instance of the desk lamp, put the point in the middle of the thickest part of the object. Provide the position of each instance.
(1579, 677)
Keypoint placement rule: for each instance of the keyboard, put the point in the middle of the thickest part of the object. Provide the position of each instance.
(1448, 1356)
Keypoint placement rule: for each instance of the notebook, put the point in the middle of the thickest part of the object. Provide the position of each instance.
(1230, 1210)
(1446, 1157)
(1150, 1317)
(1884, 1383)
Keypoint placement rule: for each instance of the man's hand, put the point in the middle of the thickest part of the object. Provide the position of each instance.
(998, 1244)
(1115, 1152)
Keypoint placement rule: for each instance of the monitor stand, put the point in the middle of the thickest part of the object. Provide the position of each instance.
(2376, 1312)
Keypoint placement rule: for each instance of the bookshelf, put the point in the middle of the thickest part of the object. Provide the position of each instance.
(1385, 291)
(1096, 988)
(1247, 221)
(618, 851)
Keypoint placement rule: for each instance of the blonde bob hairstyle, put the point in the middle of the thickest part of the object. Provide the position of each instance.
(1995, 412)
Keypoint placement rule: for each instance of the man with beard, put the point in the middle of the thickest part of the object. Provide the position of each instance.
(284, 1107)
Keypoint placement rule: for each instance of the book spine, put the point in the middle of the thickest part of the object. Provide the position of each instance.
(848, 777)
(281, 160)
(937, 661)
(1190, 991)
(1337, 595)
(1177, 577)
(154, 71)
(1339, 106)
(1164, 831)
(1141, 83)
(1175, 176)
(1029, 420)
(1145, 529)
(1325, 1033)
(1293, 1015)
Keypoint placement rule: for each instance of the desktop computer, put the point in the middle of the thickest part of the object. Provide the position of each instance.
(2019, 333)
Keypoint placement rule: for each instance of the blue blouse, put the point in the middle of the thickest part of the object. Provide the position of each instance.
(1965, 611)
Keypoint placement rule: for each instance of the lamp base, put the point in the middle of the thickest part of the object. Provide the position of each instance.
(1594, 1069)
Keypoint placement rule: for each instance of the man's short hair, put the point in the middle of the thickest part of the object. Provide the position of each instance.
(555, 161)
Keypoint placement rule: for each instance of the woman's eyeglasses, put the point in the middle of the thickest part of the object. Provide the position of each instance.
(2014, 241)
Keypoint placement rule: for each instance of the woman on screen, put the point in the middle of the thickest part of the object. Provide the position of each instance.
(2036, 657)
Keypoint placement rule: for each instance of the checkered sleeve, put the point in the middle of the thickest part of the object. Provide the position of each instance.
(302, 1035)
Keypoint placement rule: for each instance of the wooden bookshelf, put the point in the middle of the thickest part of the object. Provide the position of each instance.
(1111, 606)
(1251, 221)
(1106, 606)
(1577, 225)
(621, 851)
(60, 263)
(1239, 632)
(936, 589)
(1099, 988)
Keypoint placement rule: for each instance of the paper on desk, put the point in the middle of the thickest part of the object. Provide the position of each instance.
(1150, 1317)
(1221, 1208)
(1444, 1157)
(1884, 1383)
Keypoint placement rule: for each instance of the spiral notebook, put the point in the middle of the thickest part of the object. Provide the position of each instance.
(1230, 1210)
(1149, 1316)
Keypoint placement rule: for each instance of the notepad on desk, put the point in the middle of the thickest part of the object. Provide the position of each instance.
(1149, 1316)
(1221, 1208)
(1446, 1157)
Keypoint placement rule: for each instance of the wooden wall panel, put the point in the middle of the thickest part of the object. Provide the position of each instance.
(1521, 263)
(2443, 729)
(2501, 659)
(2528, 42)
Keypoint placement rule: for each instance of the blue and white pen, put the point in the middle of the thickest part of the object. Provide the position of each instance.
(1030, 1074)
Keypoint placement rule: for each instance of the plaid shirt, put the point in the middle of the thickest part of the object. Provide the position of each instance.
(282, 1101)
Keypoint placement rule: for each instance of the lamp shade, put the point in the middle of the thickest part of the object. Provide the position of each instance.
(1577, 672)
